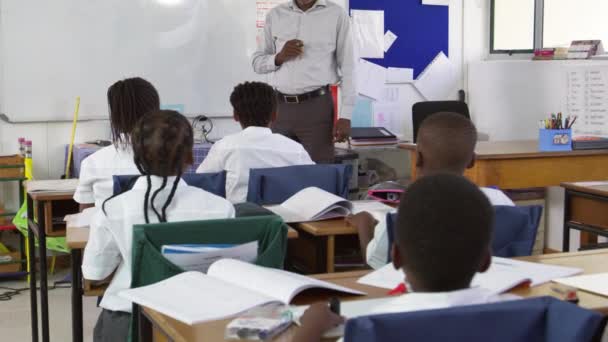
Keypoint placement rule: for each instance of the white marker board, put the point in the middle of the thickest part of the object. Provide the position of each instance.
(193, 51)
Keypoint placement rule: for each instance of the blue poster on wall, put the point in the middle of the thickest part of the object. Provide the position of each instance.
(422, 30)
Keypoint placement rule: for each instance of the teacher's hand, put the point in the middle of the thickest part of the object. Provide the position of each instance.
(342, 130)
(292, 49)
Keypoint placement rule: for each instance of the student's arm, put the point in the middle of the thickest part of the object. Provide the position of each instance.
(263, 60)
(214, 161)
(346, 61)
(84, 193)
(101, 255)
(316, 321)
(365, 224)
(377, 249)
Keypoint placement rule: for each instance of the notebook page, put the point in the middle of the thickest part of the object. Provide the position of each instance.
(538, 273)
(278, 284)
(311, 201)
(192, 297)
(596, 283)
(53, 185)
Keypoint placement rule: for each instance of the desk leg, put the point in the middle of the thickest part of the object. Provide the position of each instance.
(144, 327)
(44, 291)
(566, 232)
(77, 335)
(331, 254)
(31, 238)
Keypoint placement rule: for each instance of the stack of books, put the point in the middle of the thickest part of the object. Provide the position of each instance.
(372, 136)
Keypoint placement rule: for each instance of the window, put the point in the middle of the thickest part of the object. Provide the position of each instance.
(521, 25)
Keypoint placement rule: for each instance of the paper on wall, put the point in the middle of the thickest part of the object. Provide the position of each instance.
(399, 75)
(370, 79)
(390, 95)
(368, 33)
(436, 2)
(389, 116)
(389, 40)
(362, 114)
(438, 79)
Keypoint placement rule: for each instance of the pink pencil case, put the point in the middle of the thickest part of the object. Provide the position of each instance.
(392, 196)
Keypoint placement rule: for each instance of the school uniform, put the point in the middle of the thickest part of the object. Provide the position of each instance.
(108, 250)
(252, 148)
(95, 183)
(377, 249)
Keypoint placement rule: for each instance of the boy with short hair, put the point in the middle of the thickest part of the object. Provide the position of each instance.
(446, 144)
(256, 146)
(443, 238)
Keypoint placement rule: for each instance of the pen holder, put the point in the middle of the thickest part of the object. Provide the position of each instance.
(555, 140)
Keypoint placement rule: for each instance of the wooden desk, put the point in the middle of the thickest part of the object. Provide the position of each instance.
(163, 328)
(585, 209)
(520, 165)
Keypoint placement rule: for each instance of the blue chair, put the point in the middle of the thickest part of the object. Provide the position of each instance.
(275, 185)
(515, 230)
(214, 183)
(539, 319)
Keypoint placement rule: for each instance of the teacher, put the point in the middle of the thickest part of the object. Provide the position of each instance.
(307, 46)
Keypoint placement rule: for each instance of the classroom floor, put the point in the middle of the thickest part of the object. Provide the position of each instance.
(15, 323)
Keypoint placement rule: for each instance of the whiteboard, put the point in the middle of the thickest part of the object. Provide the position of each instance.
(193, 51)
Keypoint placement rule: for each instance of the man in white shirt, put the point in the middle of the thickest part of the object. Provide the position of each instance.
(446, 144)
(444, 232)
(256, 146)
(307, 46)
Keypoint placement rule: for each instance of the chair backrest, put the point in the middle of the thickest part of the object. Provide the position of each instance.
(515, 230)
(423, 110)
(539, 319)
(214, 183)
(275, 185)
(149, 266)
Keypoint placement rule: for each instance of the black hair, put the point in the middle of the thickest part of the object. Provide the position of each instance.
(444, 230)
(128, 101)
(254, 103)
(162, 146)
(447, 142)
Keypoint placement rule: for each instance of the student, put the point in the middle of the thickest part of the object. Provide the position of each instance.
(446, 143)
(443, 238)
(255, 106)
(128, 100)
(162, 146)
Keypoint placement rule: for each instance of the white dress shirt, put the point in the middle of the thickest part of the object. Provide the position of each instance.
(109, 247)
(377, 249)
(328, 50)
(252, 148)
(95, 183)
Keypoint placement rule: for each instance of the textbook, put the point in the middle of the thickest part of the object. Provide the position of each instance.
(201, 257)
(314, 204)
(504, 274)
(229, 288)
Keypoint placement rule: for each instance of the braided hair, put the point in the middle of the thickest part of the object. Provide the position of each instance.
(128, 101)
(162, 146)
(254, 104)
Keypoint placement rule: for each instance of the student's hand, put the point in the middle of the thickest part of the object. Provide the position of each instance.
(292, 49)
(365, 224)
(341, 130)
(316, 321)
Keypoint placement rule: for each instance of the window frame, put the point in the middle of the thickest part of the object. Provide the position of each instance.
(538, 31)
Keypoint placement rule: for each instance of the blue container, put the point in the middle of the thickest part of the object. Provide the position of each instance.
(555, 140)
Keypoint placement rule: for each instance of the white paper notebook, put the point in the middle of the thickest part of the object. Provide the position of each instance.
(595, 283)
(229, 288)
(54, 185)
(312, 204)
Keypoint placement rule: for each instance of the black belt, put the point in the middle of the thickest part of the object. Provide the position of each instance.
(295, 99)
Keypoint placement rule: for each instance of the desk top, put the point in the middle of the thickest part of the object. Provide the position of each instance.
(52, 195)
(516, 149)
(594, 188)
(328, 227)
(590, 261)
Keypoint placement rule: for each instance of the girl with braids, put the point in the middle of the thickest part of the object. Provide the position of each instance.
(255, 106)
(128, 101)
(162, 146)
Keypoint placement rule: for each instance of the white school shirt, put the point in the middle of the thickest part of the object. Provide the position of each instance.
(95, 183)
(377, 249)
(252, 148)
(111, 235)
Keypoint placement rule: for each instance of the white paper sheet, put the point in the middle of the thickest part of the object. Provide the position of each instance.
(389, 40)
(438, 79)
(399, 75)
(52, 185)
(370, 79)
(368, 33)
(595, 283)
(82, 219)
(436, 2)
(389, 116)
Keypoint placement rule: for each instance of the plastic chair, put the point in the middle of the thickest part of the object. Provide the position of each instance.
(539, 319)
(214, 183)
(515, 230)
(423, 110)
(275, 185)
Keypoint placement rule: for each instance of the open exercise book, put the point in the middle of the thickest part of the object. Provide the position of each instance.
(229, 288)
(314, 204)
(503, 275)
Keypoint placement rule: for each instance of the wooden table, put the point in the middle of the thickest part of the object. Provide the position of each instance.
(586, 210)
(158, 327)
(520, 165)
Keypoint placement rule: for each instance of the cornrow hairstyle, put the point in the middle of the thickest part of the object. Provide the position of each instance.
(162, 146)
(128, 101)
(254, 103)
